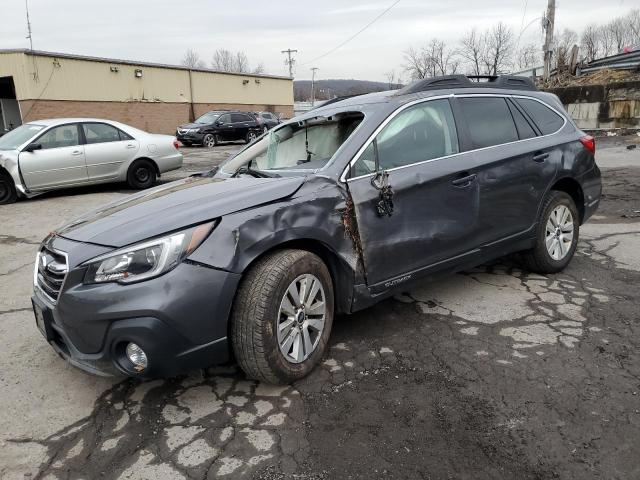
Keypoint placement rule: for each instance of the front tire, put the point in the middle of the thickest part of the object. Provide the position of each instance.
(8, 192)
(557, 235)
(282, 316)
(209, 140)
(142, 174)
(251, 136)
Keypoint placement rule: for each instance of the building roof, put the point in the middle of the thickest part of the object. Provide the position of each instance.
(114, 61)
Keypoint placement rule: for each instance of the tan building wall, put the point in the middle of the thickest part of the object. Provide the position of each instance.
(57, 85)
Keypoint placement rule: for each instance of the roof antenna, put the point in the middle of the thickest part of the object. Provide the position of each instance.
(26, 3)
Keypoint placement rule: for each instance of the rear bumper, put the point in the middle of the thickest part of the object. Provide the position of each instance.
(178, 319)
(170, 162)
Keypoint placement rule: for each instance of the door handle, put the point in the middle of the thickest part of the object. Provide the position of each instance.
(131, 146)
(540, 157)
(76, 152)
(463, 181)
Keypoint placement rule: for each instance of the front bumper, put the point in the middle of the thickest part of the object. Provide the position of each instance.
(179, 319)
(191, 137)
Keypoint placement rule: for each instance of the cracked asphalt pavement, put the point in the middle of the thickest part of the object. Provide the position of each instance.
(494, 373)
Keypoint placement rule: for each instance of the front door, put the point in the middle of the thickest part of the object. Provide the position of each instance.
(225, 128)
(240, 125)
(106, 149)
(435, 195)
(59, 161)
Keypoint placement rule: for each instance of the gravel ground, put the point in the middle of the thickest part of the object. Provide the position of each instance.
(493, 373)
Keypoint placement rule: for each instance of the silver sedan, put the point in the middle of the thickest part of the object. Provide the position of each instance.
(50, 154)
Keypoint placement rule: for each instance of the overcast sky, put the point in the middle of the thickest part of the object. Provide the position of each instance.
(161, 30)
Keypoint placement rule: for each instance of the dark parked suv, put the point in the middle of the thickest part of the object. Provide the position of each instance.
(217, 127)
(325, 215)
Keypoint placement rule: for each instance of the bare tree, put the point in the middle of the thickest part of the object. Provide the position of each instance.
(191, 59)
(258, 69)
(562, 45)
(391, 79)
(417, 63)
(499, 49)
(227, 61)
(590, 42)
(472, 49)
(619, 30)
(633, 20)
(528, 56)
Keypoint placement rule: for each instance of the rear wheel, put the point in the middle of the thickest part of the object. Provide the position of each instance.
(209, 140)
(251, 136)
(556, 235)
(282, 316)
(142, 174)
(8, 192)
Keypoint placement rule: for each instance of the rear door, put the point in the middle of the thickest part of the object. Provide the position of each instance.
(60, 161)
(435, 195)
(107, 148)
(513, 173)
(225, 128)
(241, 124)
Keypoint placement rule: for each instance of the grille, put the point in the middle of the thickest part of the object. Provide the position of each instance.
(51, 271)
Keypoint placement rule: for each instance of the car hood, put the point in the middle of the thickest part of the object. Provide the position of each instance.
(174, 206)
(193, 125)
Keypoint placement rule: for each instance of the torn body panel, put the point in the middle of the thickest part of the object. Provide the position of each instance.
(9, 162)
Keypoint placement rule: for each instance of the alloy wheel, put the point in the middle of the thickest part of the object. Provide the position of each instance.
(5, 190)
(559, 232)
(252, 136)
(301, 318)
(209, 141)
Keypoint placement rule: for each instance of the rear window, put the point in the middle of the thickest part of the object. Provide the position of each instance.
(489, 121)
(546, 119)
(525, 130)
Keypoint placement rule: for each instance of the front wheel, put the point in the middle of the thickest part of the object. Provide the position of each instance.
(556, 235)
(282, 316)
(142, 174)
(8, 192)
(209, 140)
(251, 136)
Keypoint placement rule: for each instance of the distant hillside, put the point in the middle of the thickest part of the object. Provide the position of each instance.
(326, 89)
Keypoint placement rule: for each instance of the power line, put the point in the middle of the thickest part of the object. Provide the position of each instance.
(354, 35)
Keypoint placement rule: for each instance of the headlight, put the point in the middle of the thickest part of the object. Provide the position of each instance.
(146, 260)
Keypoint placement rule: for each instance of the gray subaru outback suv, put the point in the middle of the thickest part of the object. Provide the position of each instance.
(326, 214)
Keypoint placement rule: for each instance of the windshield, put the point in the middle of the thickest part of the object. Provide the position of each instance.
(208, 118)
(13, 139)
(304, 145)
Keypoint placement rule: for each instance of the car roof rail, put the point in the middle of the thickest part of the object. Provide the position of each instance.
(469, 81)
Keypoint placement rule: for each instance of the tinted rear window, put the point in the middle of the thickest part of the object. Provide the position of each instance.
(546, 119)
(525, 130)
(489, 120)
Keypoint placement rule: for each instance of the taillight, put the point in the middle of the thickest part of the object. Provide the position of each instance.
(176, 145)
(589, 143)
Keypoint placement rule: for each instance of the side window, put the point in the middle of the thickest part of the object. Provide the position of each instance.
(225, 119)
(238, 118)
(422, 132)
(525, 130)
(489, 121)
(62, 136)
(100, 133)
(124, 136)
(546, 119)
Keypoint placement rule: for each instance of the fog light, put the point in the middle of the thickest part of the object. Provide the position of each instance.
(136, 356)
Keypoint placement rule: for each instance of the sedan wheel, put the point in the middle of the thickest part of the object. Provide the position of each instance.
(141, 174)
(209, 140)
(7, 190)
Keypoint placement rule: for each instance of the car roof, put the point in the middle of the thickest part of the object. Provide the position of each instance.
(59, 121)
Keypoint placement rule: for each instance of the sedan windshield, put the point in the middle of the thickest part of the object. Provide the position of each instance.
(19, 136)
(303, 145)
(208, 118)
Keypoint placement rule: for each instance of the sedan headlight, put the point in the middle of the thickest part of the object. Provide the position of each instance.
(147, 259)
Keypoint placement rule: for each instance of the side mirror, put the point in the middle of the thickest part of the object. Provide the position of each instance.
(32, 146)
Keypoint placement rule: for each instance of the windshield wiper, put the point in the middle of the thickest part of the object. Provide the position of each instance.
(250, 171)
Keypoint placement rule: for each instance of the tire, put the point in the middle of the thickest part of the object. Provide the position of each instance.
(251, 136)
(142, 174)
(8, 192)
(209, 140)
(555, 257)
(259, 325)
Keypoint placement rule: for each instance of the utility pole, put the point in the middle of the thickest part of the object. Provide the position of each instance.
(26, 4)
(547, 24)
(289, 60)
(313, 85)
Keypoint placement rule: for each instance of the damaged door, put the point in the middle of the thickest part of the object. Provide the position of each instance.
(415, 195)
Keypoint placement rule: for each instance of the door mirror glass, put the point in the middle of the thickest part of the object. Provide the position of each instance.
(32, 146)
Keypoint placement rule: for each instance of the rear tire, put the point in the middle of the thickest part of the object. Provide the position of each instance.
(142, 174)
(8, 193)
(557, 235)
(267, 322)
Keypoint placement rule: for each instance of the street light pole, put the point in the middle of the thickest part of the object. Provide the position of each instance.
(313, 85)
